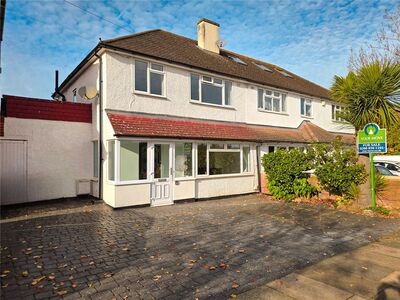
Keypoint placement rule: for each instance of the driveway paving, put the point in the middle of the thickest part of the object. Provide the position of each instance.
(207, 249)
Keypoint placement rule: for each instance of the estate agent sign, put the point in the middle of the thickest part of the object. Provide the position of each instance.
(372, 139)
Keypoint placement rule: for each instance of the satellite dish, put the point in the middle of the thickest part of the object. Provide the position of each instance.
(221, 43)
(87, 92)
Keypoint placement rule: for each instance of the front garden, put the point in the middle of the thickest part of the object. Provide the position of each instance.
(327, 173)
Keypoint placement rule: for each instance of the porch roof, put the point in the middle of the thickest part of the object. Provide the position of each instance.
(166, 127)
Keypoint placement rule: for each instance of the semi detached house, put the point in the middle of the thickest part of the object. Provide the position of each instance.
(177, 119)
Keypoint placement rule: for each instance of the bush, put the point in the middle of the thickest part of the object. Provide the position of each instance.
(336, 167)
(353, 192)
(283, 168)
(303, 189)
(380, 182)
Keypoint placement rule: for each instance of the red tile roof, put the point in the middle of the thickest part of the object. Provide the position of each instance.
(182, 50)
(33, 108)
(164, 127)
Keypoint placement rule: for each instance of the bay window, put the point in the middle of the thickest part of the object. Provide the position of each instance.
(207, 89)
(183, 160)
(149, 78)
(306, 107)
(111, 160)
(202, 159)
(271, 101)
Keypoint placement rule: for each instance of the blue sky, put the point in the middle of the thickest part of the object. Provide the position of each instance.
(310, 38)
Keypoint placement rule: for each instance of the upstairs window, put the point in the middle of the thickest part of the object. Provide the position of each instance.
(149, 78)
(306, 107)
(271, 101)
(336, 111)
(210, 90)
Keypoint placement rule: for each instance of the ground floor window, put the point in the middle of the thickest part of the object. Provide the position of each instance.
(133, 160)
(183, 160)
(111, 160)
(220, 159)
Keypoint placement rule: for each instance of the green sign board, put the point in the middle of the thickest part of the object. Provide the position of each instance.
(372, 139)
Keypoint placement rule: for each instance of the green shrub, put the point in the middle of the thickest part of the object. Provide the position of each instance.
(380, 210)
(283, 168)
(303, 189)
(336, 167)
(353, 192)
(380, 182)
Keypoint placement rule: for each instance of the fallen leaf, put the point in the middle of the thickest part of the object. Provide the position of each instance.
(108, 274)
(61, 293)
(51, 277)
(25, 273)
(235, 286)
(91, 263)
(74, 286)
(37, 257)
(70, 277)
(233, 296)
(222, 265)
(4, 285)
(156, 277)
(6, 271)
(241, 251)
(37, 280)
(125, 249)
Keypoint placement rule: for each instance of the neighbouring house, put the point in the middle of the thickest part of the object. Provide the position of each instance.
(176, 119)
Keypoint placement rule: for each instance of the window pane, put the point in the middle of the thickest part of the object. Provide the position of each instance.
(302, 110)
(206, 78)
(183, 159)
(140, 76)
(246, 159)
(276, 94)
(260, 98)
(276, 104)
(268, 92)
(217, 81)
(211, 94)
(333, 112)
(157, 67)
(202, 159)
(111, 160)
(308, 110)
(217, 146)
(224, 163)
(271, 149)
(228, 90)
(156, 83)
(95, 159)
(133, 160)
(233, 146)
(161, 161)
(268, 103)
(283, 102)
(194, 87)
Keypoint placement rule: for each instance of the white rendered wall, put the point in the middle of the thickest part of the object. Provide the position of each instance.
(121, 96)
(59, 153)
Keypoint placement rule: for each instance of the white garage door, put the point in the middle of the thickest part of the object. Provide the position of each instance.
(13, 171)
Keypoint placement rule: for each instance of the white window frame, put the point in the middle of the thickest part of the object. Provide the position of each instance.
(305, 105)
(225, 149)
(150, 70)
(212, 82)
(272, 96)
(336, 108)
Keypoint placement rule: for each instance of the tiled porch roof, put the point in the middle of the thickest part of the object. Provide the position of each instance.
(164, 127)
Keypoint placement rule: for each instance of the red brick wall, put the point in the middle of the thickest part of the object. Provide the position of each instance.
(31, 108)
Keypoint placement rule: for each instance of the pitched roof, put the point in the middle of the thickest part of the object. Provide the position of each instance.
(164, 127)
(33, 108)
(182, 50)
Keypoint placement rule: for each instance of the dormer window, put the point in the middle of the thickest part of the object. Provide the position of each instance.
(149, 78)
(271, 101)
(210, 90)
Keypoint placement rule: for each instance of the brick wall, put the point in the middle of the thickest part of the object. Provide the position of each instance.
(1, 126)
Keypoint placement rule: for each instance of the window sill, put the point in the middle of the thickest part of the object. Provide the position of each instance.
(150, 95)
(272, 112)
(135, 182)
(306, 117)
(247, 174)
(212, 105)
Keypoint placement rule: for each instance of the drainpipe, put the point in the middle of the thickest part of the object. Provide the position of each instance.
(258, 168)
(101, 126)
(56, 89)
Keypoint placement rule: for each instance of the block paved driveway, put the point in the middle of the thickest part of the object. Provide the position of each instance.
(208, 249)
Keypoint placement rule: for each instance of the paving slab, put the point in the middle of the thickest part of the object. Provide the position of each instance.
(301, 287)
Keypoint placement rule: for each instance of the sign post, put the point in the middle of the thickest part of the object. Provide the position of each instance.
(372, 140)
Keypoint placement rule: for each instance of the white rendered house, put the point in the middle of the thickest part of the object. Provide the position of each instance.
(178, 119)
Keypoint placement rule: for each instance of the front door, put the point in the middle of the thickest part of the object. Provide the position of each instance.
(161, 188)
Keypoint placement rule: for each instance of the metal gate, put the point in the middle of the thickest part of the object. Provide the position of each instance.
(13, 171)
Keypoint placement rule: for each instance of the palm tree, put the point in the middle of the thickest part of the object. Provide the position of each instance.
(370, 94)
